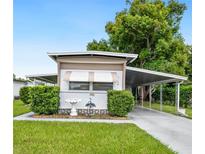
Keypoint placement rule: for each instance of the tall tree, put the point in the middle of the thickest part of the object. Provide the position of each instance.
(188, 68)
(102, 45)
(149, 28)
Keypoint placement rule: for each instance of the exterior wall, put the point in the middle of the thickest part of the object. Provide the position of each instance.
(16, 87)
(117, 85)
(115, 67)
(99, 98)
(88, 64)
(91, 59)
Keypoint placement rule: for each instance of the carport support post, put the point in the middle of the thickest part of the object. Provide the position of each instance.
(150, 96)
(142, 95)
(136, 94)
(160, 97)
(177, 95)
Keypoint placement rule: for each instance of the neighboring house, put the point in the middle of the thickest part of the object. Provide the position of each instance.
(17, 85)
(85, 75)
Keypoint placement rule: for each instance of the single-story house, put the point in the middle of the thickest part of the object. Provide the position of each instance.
(17, 85)
(85, 75)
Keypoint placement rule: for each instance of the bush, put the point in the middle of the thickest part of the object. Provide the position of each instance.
(120, 102)
(186, 95)
(25, 95)
(45, 99)
(169, 95)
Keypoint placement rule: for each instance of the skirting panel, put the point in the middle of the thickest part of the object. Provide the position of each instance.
(84, 111)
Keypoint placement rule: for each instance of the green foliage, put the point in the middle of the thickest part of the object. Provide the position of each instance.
(150, 29)
(169, 95)
(176, 11)
(120, 102)
(188, 68)
(45, 99)
(102, 45)
(25, 95)
(186, 95)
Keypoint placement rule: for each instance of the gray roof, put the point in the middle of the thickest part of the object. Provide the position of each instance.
(139, 76)
(50, 78)
(130, 57)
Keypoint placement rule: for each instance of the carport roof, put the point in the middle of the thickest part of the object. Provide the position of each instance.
(50, 78)
(139, 76)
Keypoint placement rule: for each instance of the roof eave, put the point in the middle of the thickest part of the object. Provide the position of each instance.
(133, 57)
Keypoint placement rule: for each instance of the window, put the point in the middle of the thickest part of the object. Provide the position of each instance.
(103, 86)
(78, 85)
(98, 86)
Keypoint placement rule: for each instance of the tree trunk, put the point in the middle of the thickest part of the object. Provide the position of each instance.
(148, 44)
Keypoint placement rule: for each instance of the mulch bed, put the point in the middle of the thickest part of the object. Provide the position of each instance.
(104, 116)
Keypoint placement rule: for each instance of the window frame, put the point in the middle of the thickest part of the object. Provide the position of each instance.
(102, 83)
(69, 88)
(90, 86)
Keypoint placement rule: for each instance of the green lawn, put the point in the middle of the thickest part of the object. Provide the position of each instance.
(168, 108)
(83, 138)
(19, 108)
(189, 112)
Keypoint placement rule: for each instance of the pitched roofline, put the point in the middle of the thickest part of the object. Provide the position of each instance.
(131, 57)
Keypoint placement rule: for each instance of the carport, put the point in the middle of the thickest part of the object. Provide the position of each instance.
(142, 77)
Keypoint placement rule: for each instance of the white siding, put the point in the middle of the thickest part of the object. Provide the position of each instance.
(99, 98)
(17, 86)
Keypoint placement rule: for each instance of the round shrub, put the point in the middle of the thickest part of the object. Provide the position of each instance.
(25, 95)
(45, 99)
(120, 102)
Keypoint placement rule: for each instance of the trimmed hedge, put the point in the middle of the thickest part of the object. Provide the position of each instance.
(120, 102)
(169, 95)
(25, 95)
(45, 99)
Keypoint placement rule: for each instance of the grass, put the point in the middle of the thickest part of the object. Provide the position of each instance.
(189, 112)
(20, 108)
(168, 108)
(83, 138)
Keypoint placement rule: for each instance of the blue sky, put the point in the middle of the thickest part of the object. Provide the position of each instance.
(42, 26)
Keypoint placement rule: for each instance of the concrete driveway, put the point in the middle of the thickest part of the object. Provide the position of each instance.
(174, 131)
